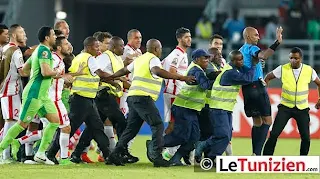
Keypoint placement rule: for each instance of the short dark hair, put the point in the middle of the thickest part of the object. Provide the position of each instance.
(215, 36)
(234, 53)
(181, 31)
(95, 35)
(2, 28)
(103, 35)
(213, 51)
(13, 28)
(89, 41)
(58, 42)
(297, 50)
(129, 34)
(58, 33)
(43, 32)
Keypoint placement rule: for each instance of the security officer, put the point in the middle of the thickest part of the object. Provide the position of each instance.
(295, 77)
(186, 107)
(110, 61)
(82, 105)
(223, 97)
(144, 91)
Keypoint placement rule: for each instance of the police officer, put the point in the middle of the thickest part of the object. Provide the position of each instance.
(223, 98)
(82, 105)
(186, 107)
(295, 77)
(144, 91)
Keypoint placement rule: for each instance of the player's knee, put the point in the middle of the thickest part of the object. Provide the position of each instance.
(23, 124)
(257, 121)
(66, 129)
(33, 126)
(267, 120)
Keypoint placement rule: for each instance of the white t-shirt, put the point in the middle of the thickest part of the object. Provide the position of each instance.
(178, 59)
(56, 88)
(104, 63)
(296, 72)
(12, 82)
(93, 65)
(155, 61)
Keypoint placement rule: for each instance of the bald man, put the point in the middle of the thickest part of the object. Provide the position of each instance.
(256, 100)
(144, 91)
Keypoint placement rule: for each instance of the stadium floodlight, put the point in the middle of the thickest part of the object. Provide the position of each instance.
(61, 15)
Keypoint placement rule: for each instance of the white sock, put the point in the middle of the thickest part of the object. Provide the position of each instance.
(1, 134)
(31, 137)
(172, 150)
(64, 142)
(130, 143)
(7, 126)
(229, 149)
(108, 130)
(29, 145)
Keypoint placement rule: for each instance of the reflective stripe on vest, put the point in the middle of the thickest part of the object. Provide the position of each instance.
(223, 97)
(191, 96)
(295, 92)
(84, 85)
(208, 95)
(117, 64)
(143, 83)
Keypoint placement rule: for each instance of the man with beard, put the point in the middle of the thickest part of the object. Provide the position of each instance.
(177, 63)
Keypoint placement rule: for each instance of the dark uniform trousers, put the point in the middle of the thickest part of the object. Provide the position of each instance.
(186, 130)
(143, 108)
(284, 114)
(84, 109)
(108, 108)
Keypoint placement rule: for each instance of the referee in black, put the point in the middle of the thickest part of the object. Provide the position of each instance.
(295, 77)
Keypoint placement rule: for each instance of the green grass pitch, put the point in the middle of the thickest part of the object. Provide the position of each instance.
(144, 169)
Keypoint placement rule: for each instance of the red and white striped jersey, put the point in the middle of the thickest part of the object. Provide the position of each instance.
(56, 88)
(178, 59)
(12, 84)
(128, 52)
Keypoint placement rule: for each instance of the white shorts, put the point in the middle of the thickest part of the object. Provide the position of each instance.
(36, 119)
(168, 100)
(62, 113)
(124, 105)
(10, 107)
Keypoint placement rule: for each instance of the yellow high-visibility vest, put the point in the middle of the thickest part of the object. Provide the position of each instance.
(84, 85)
(117, 64)
(223, 97)
(295, 92)
(191, 96)
(143, 83)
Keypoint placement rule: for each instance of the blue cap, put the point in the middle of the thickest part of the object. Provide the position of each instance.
(199, 53)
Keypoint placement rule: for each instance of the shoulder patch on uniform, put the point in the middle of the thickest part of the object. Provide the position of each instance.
(44, 54)
(175, 61)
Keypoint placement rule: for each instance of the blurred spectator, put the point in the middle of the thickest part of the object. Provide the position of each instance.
(234, 26)
(271, 27)
(297, 19)
(204, 28)
(210, 10)
(313, 27)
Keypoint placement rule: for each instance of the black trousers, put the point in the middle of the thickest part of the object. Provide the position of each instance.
(108, 108)
(143, 108)
(83, 109)
(284, 114)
